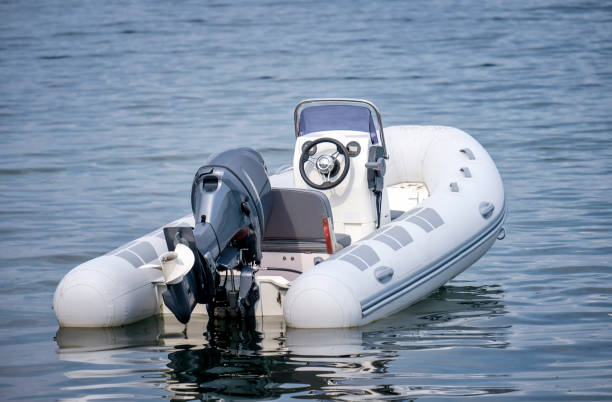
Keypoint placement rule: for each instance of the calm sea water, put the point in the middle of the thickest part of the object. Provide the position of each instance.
(108, 108)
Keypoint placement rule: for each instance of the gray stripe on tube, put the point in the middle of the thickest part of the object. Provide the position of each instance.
(400, 235)
(351, 259)
(422, 223)
(145, 251)
(408, 214)
(367, 254)
(130, 257)
(431, 216)
(389, 241)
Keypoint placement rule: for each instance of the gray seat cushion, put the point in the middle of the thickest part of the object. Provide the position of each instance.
(295, 223)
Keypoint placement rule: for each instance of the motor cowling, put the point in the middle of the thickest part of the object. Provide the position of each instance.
(228, 196)
(230, 203)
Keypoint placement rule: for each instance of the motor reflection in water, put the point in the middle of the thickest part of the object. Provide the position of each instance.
(263, 359)
(241, 361)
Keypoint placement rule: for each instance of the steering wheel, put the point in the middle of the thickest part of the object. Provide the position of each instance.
(327, 165)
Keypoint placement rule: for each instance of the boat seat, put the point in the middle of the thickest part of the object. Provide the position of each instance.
(296, 222)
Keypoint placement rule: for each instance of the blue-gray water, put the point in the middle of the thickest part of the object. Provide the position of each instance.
(107, 108)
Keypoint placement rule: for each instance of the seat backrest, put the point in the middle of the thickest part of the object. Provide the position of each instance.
(297, 214)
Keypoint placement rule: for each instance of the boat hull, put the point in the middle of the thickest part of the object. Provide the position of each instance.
(395, 266)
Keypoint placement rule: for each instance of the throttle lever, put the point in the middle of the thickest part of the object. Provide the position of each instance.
(378, 165)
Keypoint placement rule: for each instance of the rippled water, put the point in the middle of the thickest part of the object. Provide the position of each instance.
(108, 108)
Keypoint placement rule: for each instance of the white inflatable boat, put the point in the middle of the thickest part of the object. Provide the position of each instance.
(364, 223)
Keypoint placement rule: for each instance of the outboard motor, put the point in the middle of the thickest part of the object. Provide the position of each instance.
(230, 203)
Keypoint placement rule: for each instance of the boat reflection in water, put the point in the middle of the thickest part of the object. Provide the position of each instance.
(406, 355)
